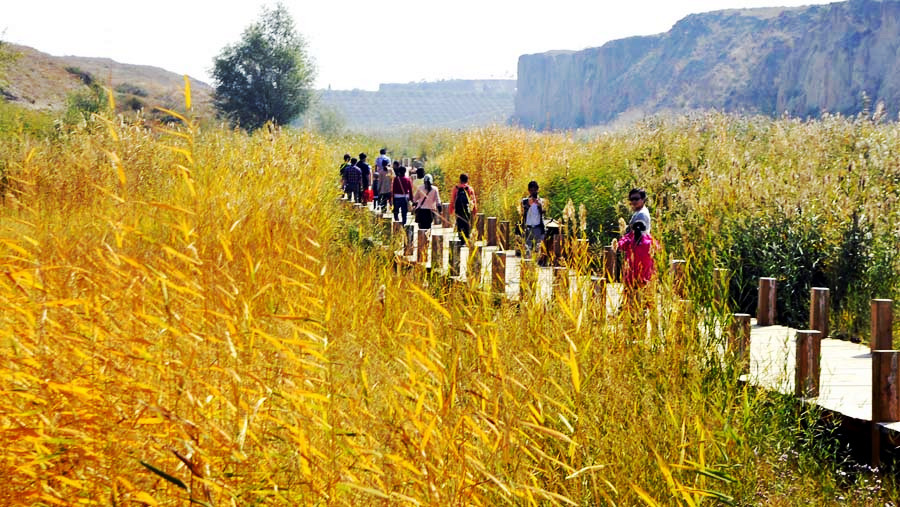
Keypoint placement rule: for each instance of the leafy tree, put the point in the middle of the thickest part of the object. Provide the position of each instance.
(267, 75)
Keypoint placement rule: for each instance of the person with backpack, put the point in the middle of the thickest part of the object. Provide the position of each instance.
(462, 200)
(428, 202)
(401, 194)
(533, 219)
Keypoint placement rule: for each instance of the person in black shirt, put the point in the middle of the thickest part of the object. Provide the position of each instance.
(366, 174)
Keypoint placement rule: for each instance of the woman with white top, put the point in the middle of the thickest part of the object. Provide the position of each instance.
(427, 202)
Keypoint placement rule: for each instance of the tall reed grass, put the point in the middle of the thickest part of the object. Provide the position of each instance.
(187, 317)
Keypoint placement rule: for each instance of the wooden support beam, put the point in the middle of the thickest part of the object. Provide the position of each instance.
(679, 272)
(408, 245)
(561, 281)
(818, 310)
(609, 264)
(445, 216)
(882, 321)
(479, 227)
(422, 246)
(721, 280)
(437, 252)
(498, 272)
(455, 249)
(808, 360)
(491, 231)
(598, 295)
(527, 279)
(474, 274)
(885, 386)
(556, 244)
(765, 309)
(739, 339)
(503, 235)
(396, 228)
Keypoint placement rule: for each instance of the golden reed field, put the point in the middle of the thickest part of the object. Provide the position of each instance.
(189, 315)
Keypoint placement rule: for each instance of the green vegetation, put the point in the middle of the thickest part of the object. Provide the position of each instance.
(266, 76)
(191, 321)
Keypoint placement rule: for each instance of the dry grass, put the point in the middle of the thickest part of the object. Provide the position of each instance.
(189, 314)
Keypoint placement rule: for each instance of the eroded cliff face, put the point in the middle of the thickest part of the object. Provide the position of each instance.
(800, 61)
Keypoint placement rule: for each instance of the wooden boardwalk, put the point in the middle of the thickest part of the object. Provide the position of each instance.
(845, 370)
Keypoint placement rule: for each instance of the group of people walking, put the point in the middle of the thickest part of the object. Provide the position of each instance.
(389, 185)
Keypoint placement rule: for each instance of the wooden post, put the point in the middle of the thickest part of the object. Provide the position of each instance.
(492, 231)
(498, 273)
(807, 366)
(408, 246)
(818, 310)
(527, 279)
(479, 227)
(455, 248)
(882, 320)
(765, 309)
(422, 246)
(437, 252)
(504, 235)
(885, 385)
(445, 215)
(598, 294)
(609, 264)
(474, 273)
(553, 250)
(561, 280)
(396, 227)
(739, 339)
(678, 275)
(720, 282)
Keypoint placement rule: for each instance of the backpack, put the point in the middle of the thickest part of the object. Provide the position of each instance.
(461, 205)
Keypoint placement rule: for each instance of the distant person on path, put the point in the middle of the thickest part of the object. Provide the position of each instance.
(344, 165)
(366, 181)
(353, 181)
(419, 179)
(463, 203)
(533, 220)
(401, 194)
(382, 158)
(637, 198)
(384, 186)
(428, 202)
(639, 270)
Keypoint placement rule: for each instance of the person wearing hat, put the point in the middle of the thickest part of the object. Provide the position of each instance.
(427, 202)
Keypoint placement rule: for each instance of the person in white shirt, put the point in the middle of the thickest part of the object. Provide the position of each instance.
(533, 219)
(637, 198)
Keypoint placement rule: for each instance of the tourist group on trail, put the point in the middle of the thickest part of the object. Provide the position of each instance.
(402, 190)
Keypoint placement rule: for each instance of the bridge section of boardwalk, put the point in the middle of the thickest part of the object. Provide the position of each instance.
(857, 383)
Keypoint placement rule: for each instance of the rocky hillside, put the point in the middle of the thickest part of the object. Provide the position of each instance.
(456, 103)
(802, 61)
(41, 81)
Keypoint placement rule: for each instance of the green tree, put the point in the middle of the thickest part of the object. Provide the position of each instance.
(267, 75)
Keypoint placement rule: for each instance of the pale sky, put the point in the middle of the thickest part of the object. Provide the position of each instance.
(356, 44)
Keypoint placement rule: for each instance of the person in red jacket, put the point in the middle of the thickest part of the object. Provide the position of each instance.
(401, 194)
(639, 270)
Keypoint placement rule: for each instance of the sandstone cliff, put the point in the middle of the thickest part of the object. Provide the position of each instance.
(802, 61)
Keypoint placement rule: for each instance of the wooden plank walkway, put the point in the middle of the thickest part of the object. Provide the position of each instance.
(846, 369)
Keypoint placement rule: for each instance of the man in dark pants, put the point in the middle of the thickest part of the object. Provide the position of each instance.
(366, 171)
(352, 181)
(464, 206)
